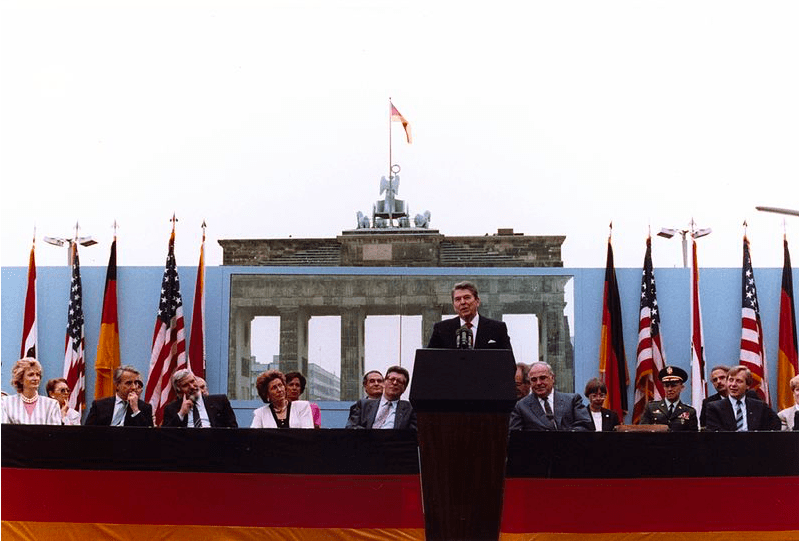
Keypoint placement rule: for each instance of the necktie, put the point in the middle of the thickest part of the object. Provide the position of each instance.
(548, 412)
(380, 420)
(739, 417)
(671, 410)
(195, 412)
(119, 415)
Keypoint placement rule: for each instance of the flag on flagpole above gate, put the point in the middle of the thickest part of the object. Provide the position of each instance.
(787, 362)
(169, 339)
(651, 357)
(612, 359)
(74, 360)
(29, 344)
(197, 337)
(753, 351)
(108, 357)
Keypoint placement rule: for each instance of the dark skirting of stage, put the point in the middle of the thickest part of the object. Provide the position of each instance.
(358, 484)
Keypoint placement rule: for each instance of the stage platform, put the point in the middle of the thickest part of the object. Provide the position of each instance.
(109, 483)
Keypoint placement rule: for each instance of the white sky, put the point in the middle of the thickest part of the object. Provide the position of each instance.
(269, 119)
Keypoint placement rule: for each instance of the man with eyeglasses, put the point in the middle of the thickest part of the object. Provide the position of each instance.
(546, 409)
(671, 411)
(125, 408)
(522, 380)
(389, 412)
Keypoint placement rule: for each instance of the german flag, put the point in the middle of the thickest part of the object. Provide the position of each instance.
(612, 359)
(787, 356)
(108, 343)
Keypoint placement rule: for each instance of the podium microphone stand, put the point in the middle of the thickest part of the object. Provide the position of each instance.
(463, 399)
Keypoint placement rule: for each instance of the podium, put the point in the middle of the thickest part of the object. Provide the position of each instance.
(463, 399)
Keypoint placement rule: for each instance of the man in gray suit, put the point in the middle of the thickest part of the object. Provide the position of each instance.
(389, 411)
(547, 409)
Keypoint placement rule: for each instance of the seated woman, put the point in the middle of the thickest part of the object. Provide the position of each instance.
(604, 419)
(279, 412)
(59, 390)
(789, 415)
(295, 386)
(28, 407)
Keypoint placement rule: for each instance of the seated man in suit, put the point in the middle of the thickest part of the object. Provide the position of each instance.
(737, 412)
(389, 411)
(202, 385)
(212, 411)
(789, 415)
(605, 420)
(487, 333)
(125, 408)
(547, 409)
(671, 411)
(718, 376)
(372, 387)
(522, 380)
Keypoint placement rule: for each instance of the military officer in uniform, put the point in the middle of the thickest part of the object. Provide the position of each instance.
(671, 411)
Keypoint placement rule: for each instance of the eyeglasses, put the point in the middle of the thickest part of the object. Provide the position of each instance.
(64, 391)
(397, 380)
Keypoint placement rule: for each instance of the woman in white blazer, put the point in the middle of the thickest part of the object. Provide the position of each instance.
(278, 411)
(28, 407)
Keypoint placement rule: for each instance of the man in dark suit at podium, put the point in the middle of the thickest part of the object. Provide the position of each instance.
(487, 333)
(389, 411)
(547, 409)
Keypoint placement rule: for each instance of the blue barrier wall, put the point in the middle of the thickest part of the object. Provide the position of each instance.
(139, 288)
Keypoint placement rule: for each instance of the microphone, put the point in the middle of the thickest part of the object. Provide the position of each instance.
(464, 338)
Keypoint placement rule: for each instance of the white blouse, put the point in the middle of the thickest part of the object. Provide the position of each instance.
(300, 416)
(46, 412)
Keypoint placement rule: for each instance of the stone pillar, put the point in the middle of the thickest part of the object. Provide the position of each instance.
(556, 336)
(293, 340)
(430, 316)
(240, 353)
(352, 353)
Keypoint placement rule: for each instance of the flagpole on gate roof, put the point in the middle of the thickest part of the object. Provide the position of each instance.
(390, 111)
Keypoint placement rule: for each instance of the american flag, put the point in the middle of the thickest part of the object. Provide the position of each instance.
(169, 339)
(29, 340)
(651, 357)
(74, 362)
(698, 382)
(753, 351)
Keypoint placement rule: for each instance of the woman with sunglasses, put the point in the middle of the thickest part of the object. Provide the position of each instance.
(58, 389)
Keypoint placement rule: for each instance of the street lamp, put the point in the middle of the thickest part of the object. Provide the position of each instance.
(668, 233)
(58, 241)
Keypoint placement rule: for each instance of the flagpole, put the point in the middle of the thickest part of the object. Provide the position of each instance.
(389, 138)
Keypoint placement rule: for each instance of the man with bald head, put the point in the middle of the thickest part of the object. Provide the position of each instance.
(547, 409)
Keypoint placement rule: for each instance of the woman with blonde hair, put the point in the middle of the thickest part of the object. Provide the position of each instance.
(28, 407)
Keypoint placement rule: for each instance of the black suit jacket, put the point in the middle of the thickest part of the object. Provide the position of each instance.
(102, 412)
(721, 417)
(713, 398)
(609, 419)
(364, 411)
(491, 334)
(569, 413)
(220, 413)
